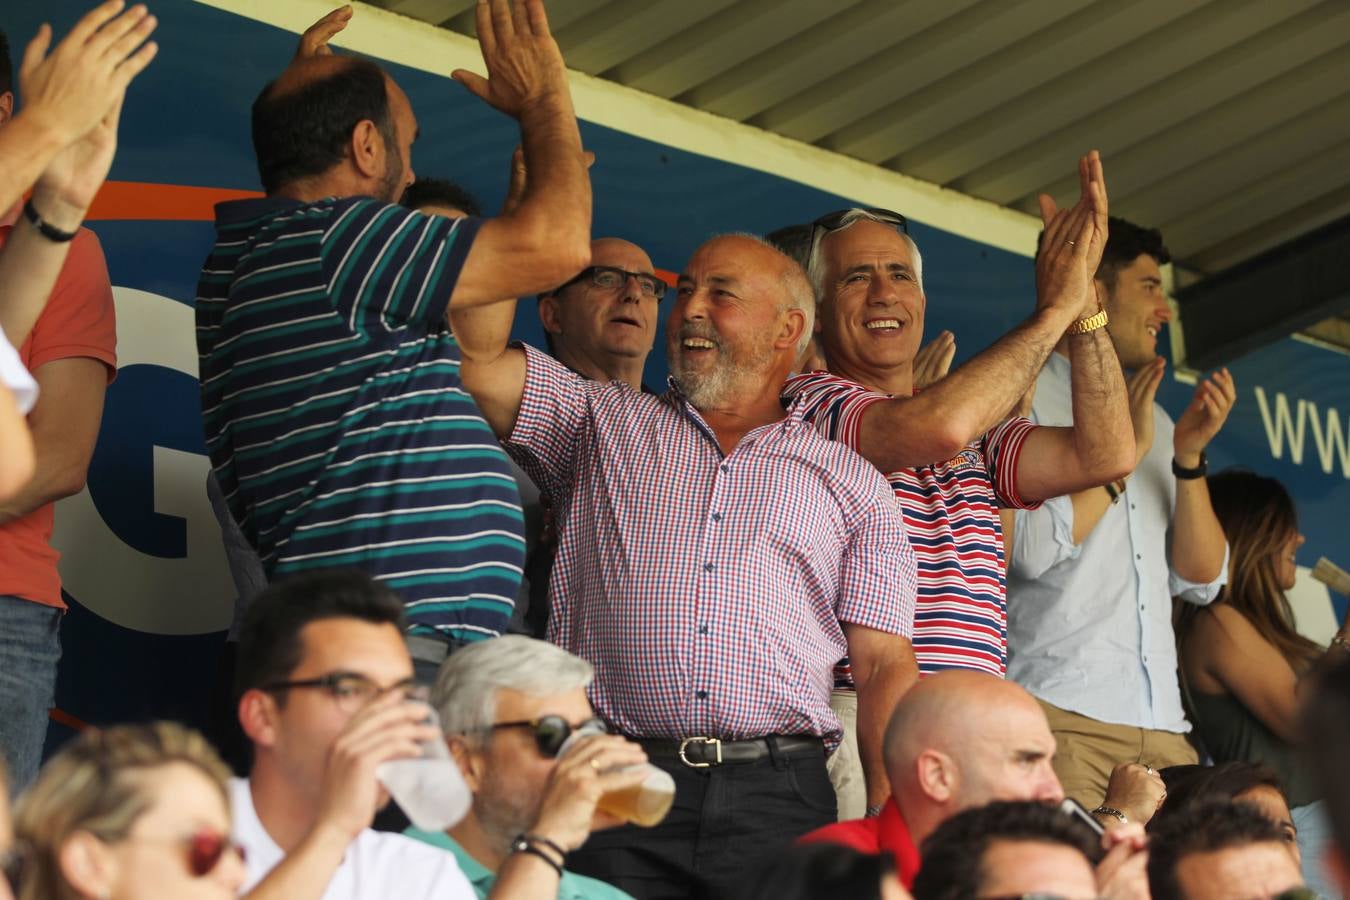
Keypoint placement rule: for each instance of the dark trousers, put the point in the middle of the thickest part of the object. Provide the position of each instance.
(725, 822)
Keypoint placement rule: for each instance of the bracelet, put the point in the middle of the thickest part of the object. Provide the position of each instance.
(45, 228)
(873, 811)
(540, 839)
(1111, 490)
(1105, 810)
(1091, 323)
(522, 847)
(1186, 474)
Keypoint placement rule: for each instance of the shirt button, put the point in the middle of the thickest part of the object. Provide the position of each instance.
(703, 629)
(1138, 556)
(725, 467)
(702, 695)
(708, 567)
(717, 517)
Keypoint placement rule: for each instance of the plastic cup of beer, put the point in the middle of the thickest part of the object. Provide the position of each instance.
(644, 804)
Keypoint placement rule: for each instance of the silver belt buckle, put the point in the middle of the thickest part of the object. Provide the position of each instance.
(700, 765)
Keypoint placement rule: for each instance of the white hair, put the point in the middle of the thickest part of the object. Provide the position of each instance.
(465, 695)
(815, 263)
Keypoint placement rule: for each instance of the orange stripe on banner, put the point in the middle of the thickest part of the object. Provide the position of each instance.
(164, 202)
(667, 276)
(64, 718)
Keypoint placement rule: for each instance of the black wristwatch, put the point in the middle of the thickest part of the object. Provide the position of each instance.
(1188, 474)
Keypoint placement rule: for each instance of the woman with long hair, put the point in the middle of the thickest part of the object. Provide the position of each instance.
(131, 811)
(1241, 658)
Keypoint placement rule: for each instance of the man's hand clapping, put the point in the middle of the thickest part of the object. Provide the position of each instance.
(1072, 245)
(523, 61)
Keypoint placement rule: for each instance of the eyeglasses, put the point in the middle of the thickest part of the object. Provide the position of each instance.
(551, 732)
(350, 690)
(610, 278)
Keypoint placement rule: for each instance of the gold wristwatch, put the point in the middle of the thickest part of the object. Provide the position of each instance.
(1091, 323)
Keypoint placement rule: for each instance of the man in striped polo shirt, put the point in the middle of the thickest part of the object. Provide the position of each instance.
(949, 453)
(334, 413)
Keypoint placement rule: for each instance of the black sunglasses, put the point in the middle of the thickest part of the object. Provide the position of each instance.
(833, 221)
(551, 732)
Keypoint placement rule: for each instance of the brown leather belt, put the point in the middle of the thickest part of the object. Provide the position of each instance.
(705, 752)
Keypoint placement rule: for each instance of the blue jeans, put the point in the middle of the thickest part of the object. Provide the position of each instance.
(30, 647)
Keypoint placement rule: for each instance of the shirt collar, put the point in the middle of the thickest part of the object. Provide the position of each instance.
(233, 212)
(473, 870)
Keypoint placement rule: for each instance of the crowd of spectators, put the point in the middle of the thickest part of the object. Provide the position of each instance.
(869, 615)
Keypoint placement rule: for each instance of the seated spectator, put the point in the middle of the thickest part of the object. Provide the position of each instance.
(716, 558)
(820, 871)
(1240, 782)
(1241, 658)
(130, 812)
(1326, 727)
(324, 679)
(1021, 849)
(506, 706)
(1219, 850)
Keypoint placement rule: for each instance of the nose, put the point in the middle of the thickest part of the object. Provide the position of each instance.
(1050, 789)
(1163, 312)
(631, 291)
(1298, 541)
(231, 871)
(881, 291)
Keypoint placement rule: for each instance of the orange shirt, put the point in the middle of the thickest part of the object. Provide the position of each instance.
(78, 321)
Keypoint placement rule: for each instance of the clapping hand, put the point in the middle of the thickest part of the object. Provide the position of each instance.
(523, 61)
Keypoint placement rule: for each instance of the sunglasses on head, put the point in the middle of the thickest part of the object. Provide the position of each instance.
(551, 732)
(835, 220)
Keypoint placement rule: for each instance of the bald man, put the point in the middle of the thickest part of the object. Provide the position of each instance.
(335, 417)
(601, 323)
(958, 739)
(717, 556)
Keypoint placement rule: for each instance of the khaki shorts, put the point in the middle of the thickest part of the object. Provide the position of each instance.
(1087, 750)
(845, 763)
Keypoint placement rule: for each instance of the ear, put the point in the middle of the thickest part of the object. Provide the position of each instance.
(368, 149)
(471, 764)
(548, 313)
(936, 773)
(791, 332)
(87, 864)
(258, 717)
(6, 106)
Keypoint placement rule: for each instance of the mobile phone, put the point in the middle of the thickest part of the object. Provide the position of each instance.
(1071, 807)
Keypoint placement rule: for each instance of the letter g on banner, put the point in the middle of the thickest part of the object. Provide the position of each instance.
(139, 545)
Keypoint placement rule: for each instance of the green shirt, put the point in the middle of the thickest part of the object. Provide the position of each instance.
(572, 886)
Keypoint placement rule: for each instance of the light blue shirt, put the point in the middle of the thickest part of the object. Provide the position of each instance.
(1090, 625)
(571, 887)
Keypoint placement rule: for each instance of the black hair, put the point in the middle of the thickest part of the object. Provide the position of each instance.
(1204, 827)
(819, 870)
(1326, 733)
(440, 192)
(1125, 242)
(269, 639)
(6, 65)
(1188, 785)
(305, 132)
(953, 856)
(793, 241)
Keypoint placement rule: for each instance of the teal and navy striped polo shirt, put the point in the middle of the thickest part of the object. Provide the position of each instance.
(334, 412)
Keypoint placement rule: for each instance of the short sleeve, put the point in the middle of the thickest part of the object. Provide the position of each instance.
(878, 575)
(1002, 450)
(389, 268)
(79, 319)
(554, 413)
(834, 405)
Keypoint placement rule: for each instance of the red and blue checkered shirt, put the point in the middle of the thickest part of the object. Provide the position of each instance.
(708, 591)
(951, 511)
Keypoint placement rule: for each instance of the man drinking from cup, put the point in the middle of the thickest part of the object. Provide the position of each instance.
(516, 718)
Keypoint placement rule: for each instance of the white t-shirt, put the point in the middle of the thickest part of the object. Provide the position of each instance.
(15, 376)
(378, 865)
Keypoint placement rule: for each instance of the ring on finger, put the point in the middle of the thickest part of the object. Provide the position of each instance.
(595, 764)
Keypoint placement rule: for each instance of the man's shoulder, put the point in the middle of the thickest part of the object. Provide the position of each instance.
(861, 834)
(400, 860)
(583, 887)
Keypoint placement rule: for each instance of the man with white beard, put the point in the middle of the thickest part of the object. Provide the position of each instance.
(716, 557)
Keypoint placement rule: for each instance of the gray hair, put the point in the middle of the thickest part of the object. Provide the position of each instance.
(815, 264)
(796, 289)
(465, 695)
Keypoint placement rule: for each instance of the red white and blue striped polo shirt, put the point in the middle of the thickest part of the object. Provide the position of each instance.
(951, 514)
(707, 590)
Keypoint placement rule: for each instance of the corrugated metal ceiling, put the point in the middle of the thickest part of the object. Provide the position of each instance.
(1226, 123)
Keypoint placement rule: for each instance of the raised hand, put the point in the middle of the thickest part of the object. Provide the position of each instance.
(1136, 790)
(1072, 245)
(934, 359)
(1204, 416)
(1142, 387)
(597, 766)
(72, 89)
(1123, 872)
(523, 61)
(314, 42)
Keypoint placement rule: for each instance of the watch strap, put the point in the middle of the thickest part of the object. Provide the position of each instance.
(45, 228)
